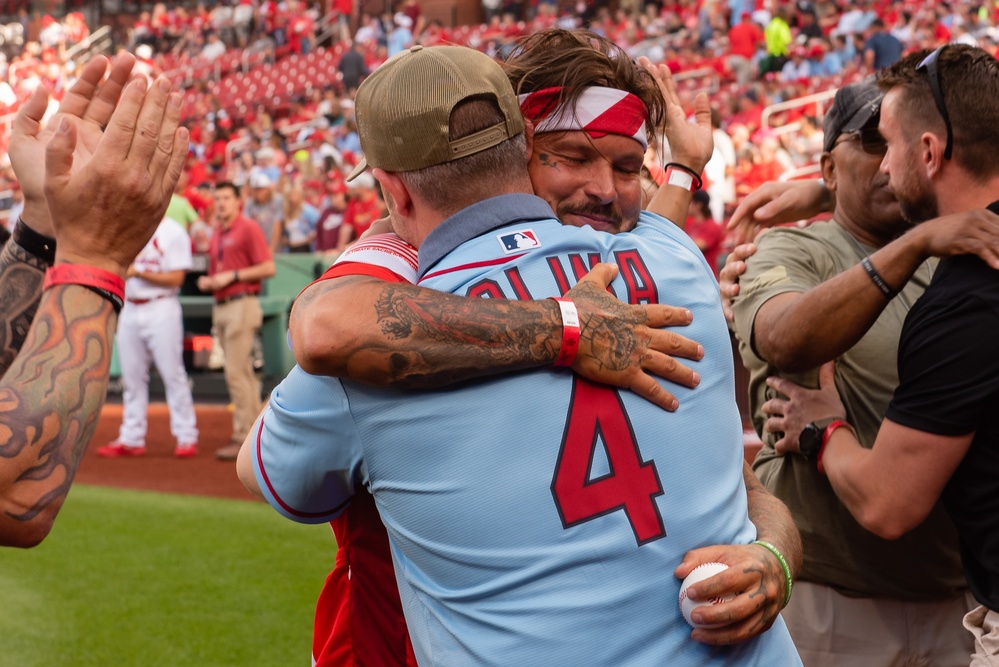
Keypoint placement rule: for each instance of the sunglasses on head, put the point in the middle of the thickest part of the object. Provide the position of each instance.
(932, 69)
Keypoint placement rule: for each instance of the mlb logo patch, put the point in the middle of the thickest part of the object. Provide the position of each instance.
(522, 239)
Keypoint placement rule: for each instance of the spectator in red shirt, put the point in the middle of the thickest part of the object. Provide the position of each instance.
(412, 9)
(766, 166)
(749, 110)
(705, 231)
(331, 219)
(364, 208)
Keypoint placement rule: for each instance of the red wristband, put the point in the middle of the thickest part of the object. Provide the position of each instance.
(109, 285)
(833, 425)
(570, 331)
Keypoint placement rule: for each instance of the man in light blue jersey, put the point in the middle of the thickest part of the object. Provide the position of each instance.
(535, 519)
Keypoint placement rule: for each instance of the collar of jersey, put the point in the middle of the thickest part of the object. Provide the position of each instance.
(478, 219)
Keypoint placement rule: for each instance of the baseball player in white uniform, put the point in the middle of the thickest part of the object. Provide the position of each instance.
(151, 328)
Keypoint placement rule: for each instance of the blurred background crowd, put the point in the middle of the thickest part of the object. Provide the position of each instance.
(269, 85)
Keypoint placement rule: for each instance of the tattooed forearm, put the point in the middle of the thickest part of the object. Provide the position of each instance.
(396, 333)
(21, 276)
(50, 401)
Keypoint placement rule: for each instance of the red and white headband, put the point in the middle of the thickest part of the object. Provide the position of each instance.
(598, 111)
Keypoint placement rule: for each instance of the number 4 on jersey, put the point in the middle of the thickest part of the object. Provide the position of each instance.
(596, 414)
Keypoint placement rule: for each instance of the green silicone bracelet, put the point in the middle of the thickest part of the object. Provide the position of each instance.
(783, 563)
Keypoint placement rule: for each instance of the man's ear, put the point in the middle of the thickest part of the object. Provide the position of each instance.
(529, 136)
(931, 150)
(828, 165)
(394, 187)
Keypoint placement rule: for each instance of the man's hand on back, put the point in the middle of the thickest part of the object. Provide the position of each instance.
(622, 345)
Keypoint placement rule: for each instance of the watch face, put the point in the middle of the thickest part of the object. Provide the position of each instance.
(810, 441)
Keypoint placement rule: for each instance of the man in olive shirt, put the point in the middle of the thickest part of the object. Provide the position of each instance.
(878, 602)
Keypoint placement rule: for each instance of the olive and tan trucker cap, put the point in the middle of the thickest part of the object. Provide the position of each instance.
(404, 107)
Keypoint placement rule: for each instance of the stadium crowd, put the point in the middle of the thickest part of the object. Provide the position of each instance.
(293, 148)
(285, 171)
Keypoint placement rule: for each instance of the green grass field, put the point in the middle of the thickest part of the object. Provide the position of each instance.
(139, 578)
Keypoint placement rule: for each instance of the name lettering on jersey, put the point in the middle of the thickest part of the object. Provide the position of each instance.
(637, 277)
(517, 282)
(641, 288)
(579, 266)
(522, 239)
(486, 289)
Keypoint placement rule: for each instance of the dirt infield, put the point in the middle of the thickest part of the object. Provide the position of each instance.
(202, 475)
(158, 470)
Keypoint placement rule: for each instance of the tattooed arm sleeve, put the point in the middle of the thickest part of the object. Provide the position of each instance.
(417, 337)
(21, 276)
(50, 401)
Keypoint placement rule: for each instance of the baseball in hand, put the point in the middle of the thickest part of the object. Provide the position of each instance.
(699, 573)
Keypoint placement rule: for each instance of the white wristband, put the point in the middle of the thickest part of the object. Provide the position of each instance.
(680, 179)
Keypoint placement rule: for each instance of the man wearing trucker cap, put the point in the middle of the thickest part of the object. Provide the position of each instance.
(534, 518)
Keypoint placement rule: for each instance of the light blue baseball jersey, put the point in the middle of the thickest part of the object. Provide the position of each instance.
(535, 518)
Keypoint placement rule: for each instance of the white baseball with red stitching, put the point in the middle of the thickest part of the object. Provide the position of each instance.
(699, 573)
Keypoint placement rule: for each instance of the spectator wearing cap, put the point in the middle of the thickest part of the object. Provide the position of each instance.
(828, 62)
(798, 67)
(882, 48)
(265, 206)
(322, 149)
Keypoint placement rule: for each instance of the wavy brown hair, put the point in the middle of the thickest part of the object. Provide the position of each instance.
(576, 59)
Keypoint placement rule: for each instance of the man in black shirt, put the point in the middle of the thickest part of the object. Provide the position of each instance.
(940, 436)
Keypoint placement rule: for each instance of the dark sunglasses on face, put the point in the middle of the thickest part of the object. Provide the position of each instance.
(932, 69)
(871, 141)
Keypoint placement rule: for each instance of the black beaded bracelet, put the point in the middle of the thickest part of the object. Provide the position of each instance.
(693, 174)
(41, 246)
(876, 278)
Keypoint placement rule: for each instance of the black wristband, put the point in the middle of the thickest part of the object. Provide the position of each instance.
(41, 246)
(693, 174)
(116, 301)
(876, 278)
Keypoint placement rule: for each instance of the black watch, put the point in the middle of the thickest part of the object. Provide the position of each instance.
(810, 438)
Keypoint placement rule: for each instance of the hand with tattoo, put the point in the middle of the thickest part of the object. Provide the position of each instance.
(384, 333)
(755, 577)
(624, 345)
